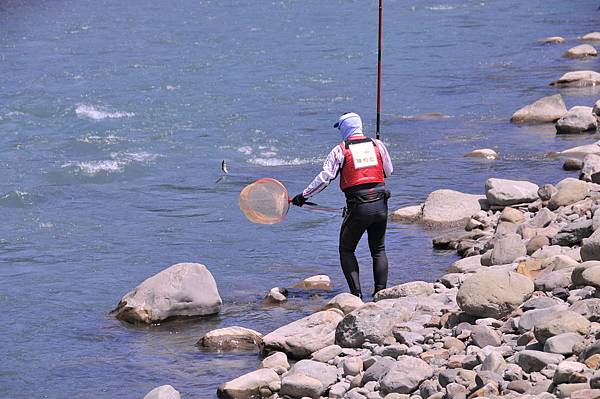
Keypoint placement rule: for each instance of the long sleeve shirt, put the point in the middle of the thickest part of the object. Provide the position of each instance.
(334, 162)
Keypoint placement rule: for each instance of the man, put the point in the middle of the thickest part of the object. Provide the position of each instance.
(362, 163)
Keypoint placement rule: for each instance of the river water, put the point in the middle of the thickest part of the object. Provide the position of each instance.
(114, 119)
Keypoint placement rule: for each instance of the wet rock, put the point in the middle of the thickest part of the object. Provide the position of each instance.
(276, 295)
(249, 385)
(486, 153)
(345, 302)
(532, 360)
(508, 192)
(493, 293)
(553, 40)
(581, 51)
(448, 208)
(302, 337)
(573, 164)
(578, 79)
(405, 375)
(545, 110)
(182, 290)
(592, 36)
(578, 119)
(590, 168)
(505, 251)
(319, 282)
(561, 322)
(278, 361)
(409, 214)
(410, 289)
(163, 392)
(231, 338)
(569, 192)
(369, 323)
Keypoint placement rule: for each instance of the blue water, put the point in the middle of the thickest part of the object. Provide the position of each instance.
(114, 119)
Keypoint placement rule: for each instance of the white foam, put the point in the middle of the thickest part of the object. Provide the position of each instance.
(278, 161)
(246, 150)
(89, 111)
(115, 165)
(93, 139)
(441, 7)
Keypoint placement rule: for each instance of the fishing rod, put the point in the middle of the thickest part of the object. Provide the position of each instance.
(379, 74)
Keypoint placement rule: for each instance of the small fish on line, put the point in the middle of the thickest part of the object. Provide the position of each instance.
(224, 170)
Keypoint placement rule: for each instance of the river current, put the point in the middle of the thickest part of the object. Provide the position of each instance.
(114, 120)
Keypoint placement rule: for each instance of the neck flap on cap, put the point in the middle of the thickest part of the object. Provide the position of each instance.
(349, 125)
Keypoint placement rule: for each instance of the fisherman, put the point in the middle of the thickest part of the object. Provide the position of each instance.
(363, 164)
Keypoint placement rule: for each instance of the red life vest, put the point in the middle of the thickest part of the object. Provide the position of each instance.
(367, 168)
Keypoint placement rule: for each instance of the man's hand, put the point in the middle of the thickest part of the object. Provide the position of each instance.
(299, 200)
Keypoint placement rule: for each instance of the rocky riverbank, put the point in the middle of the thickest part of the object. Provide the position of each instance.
(517, 316)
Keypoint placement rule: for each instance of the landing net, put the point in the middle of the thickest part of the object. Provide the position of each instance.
(265, 201)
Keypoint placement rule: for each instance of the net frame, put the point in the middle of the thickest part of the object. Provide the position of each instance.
(265, 201)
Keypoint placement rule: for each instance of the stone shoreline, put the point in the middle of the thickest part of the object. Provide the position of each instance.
(517, 316)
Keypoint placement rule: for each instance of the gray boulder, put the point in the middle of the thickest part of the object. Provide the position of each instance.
(377, 370)
(569, 191)
(493, 293)
(581, 51)
(300, 386)
(231, 338)
(250, 385)
(528, 319)
(163, 392)
(413, 288)
(467, 265)
(565, 321)
(591, 168)
(505, 251)
(370, 322)
(405, 375)
(578, 79)
(345, 302)
(302, 337)
(592, 36)
(573, 233)
(409, 214)
(577, 273)
(545, 110)
(485, 153)
(278, 361)
(578, 119)
(509, 192)
(483, 336)
(562, 343)
(182, 290)
(590, 276)
(324, 373)
(449, 208)
(532, 360)
(588, 308)
(590, 248)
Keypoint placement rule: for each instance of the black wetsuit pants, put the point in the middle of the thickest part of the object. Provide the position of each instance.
(372, 218)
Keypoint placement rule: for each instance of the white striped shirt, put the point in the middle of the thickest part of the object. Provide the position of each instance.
(334, 162)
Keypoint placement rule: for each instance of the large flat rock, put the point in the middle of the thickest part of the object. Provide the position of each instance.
(449, 208)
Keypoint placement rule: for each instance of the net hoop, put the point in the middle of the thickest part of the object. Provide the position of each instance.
(265, 201)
